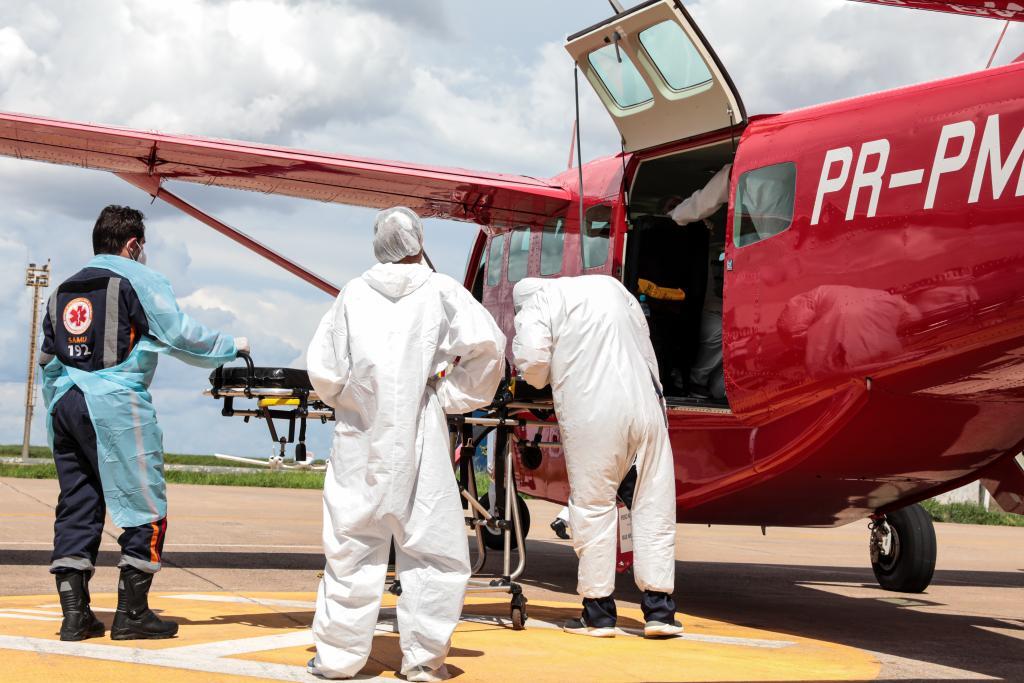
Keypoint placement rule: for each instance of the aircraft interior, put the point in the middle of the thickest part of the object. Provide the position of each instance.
(663, 258)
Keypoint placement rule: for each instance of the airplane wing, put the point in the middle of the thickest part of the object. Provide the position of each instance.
(993, 9)
(483, 198)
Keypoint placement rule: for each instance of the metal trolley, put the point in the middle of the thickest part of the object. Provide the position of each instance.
(284, 395)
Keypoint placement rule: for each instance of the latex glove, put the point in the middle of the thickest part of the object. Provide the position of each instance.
(242, 344)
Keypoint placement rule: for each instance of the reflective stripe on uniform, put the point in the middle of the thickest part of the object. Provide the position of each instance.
(52, 306)
(111, 323)
(72, 563)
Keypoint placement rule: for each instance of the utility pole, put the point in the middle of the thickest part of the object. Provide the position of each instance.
(38, 278)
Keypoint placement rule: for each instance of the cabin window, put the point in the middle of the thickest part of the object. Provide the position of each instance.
(552, 246)
(674, 55)
(764, 203)
(518, 254)
(494, 260)
(620, 76)
(595, 236)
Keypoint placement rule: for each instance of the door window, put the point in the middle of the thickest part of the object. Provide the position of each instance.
(494, 259)
(764, 203)
(595, 236)
(518, 254)
(552, 246)
(620, 76)
(675, 57)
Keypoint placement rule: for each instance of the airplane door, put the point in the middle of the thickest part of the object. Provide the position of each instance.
(657, 75)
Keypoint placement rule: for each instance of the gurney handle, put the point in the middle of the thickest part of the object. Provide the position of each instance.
(218, 376)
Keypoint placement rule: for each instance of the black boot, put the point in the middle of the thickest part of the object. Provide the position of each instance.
(79, 621)
(133, 619)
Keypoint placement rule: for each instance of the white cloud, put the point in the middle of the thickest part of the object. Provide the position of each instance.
(452, 83)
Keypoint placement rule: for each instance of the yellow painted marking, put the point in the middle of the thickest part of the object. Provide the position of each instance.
(265, 636)
(271, 402)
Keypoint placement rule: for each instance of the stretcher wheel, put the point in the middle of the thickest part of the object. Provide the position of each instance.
(518, 612)
(300, 452)
(492, 538)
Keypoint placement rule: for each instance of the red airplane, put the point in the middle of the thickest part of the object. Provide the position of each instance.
(873, 315)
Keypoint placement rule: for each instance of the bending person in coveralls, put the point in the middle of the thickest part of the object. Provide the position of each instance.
(102, 334)
(587, 337)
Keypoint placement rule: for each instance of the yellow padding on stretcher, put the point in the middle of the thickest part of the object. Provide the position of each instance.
(271, 402)
(657, 292)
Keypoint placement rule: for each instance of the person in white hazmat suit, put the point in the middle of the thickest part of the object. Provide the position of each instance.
(587, 337)
(401, 347)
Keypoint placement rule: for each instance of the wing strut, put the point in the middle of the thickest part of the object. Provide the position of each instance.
(151, 185)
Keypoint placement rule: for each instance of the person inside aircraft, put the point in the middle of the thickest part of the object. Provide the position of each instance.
(704, 202)
(707, 376)
(103, 331)
(401, 346)
(614, 431)
(671, 278)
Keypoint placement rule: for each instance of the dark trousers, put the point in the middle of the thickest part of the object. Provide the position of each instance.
(80, 507)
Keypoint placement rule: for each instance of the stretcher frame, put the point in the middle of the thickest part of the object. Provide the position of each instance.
(504, 416)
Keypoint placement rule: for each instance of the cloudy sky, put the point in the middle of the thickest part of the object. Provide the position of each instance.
(482, 85)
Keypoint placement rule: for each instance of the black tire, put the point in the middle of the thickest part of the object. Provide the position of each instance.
(492, 538)
(910, 564)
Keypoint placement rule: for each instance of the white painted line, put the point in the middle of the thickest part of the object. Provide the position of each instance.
(167, 659)
(906, 178)
(111, 610)
(8, 615)
(49, 613)
(241, 646)
(304, 604)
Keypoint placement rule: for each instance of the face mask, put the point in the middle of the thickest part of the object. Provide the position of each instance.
(140, 256)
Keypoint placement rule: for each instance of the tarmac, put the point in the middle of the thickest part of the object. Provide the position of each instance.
(241, 570)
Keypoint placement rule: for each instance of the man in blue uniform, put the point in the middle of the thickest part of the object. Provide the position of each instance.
(103, 330)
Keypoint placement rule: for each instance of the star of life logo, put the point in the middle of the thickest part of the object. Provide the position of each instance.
(78, 315)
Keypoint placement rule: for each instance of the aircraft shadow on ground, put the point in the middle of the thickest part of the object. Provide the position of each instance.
(783, 599)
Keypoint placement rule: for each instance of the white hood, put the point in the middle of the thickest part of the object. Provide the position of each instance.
(397, 280)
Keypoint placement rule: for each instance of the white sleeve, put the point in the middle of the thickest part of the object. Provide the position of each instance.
(532, 346)
(327, 359)
(475, 339)
(705, 201)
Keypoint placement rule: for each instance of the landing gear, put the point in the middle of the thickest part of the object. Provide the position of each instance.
(903, 549)
(493, 539)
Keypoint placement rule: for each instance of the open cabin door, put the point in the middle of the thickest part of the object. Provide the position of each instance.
(657, 75)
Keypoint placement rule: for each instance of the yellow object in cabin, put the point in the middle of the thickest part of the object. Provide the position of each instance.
(653, 291)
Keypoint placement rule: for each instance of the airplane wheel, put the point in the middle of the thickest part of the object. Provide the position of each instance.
(492, 538)
(903, 550)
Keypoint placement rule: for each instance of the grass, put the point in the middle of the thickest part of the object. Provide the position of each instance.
(259, 477)
(170, 458)
(970, 513)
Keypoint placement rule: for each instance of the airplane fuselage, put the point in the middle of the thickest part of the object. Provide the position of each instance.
(874, 348)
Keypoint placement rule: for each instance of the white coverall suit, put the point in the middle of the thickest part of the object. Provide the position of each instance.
(588, 338)
(375, 359)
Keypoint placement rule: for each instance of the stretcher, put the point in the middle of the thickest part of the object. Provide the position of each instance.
(285, 396)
